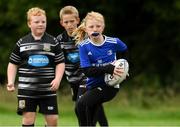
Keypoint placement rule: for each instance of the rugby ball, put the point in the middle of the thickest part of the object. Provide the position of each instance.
(113, 80)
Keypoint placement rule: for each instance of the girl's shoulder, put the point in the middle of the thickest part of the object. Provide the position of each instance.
(111, 39)
(84, 42)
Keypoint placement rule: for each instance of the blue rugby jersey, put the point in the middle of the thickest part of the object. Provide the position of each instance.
(36, 60)
(92, 55)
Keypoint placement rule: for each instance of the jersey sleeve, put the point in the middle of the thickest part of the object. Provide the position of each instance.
(59, 56)
(121, 46)
(15, 57)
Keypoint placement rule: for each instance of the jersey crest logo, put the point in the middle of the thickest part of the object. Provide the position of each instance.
(22, 104)
(109, 52)
(47, 47)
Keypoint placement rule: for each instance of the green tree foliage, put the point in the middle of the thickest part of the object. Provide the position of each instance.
(150, 28)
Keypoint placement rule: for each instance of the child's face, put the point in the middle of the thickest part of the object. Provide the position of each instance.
(69, 22)
(94, 26)
(37, 24)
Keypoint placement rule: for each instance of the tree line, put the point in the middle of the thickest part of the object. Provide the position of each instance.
(150, 28)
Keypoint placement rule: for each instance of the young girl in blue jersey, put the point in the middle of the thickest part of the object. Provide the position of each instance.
(69, 20)
(96, 52)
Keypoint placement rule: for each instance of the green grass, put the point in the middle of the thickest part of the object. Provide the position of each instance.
(123, 110)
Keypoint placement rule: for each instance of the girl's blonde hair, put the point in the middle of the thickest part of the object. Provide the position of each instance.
(35, 11)
(68, 10)
(79, 34)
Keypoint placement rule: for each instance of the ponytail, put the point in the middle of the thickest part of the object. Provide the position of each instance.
(79, 34)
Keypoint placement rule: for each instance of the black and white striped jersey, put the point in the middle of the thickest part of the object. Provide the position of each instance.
(72, 61)
(36, 60)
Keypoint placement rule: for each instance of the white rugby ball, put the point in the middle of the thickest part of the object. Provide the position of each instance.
(113, 80)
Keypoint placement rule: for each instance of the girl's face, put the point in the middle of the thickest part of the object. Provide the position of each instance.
(69, 22)
(94, 26)
(37, 24)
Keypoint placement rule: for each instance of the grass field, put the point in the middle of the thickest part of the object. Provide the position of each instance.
(121, 111)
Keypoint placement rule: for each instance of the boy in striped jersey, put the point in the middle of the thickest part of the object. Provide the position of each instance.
(40, 64)
(69, 20)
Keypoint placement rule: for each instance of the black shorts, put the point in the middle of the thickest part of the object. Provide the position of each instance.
(98, 95)
(82, 89)
(77, 89)
(46, 105)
